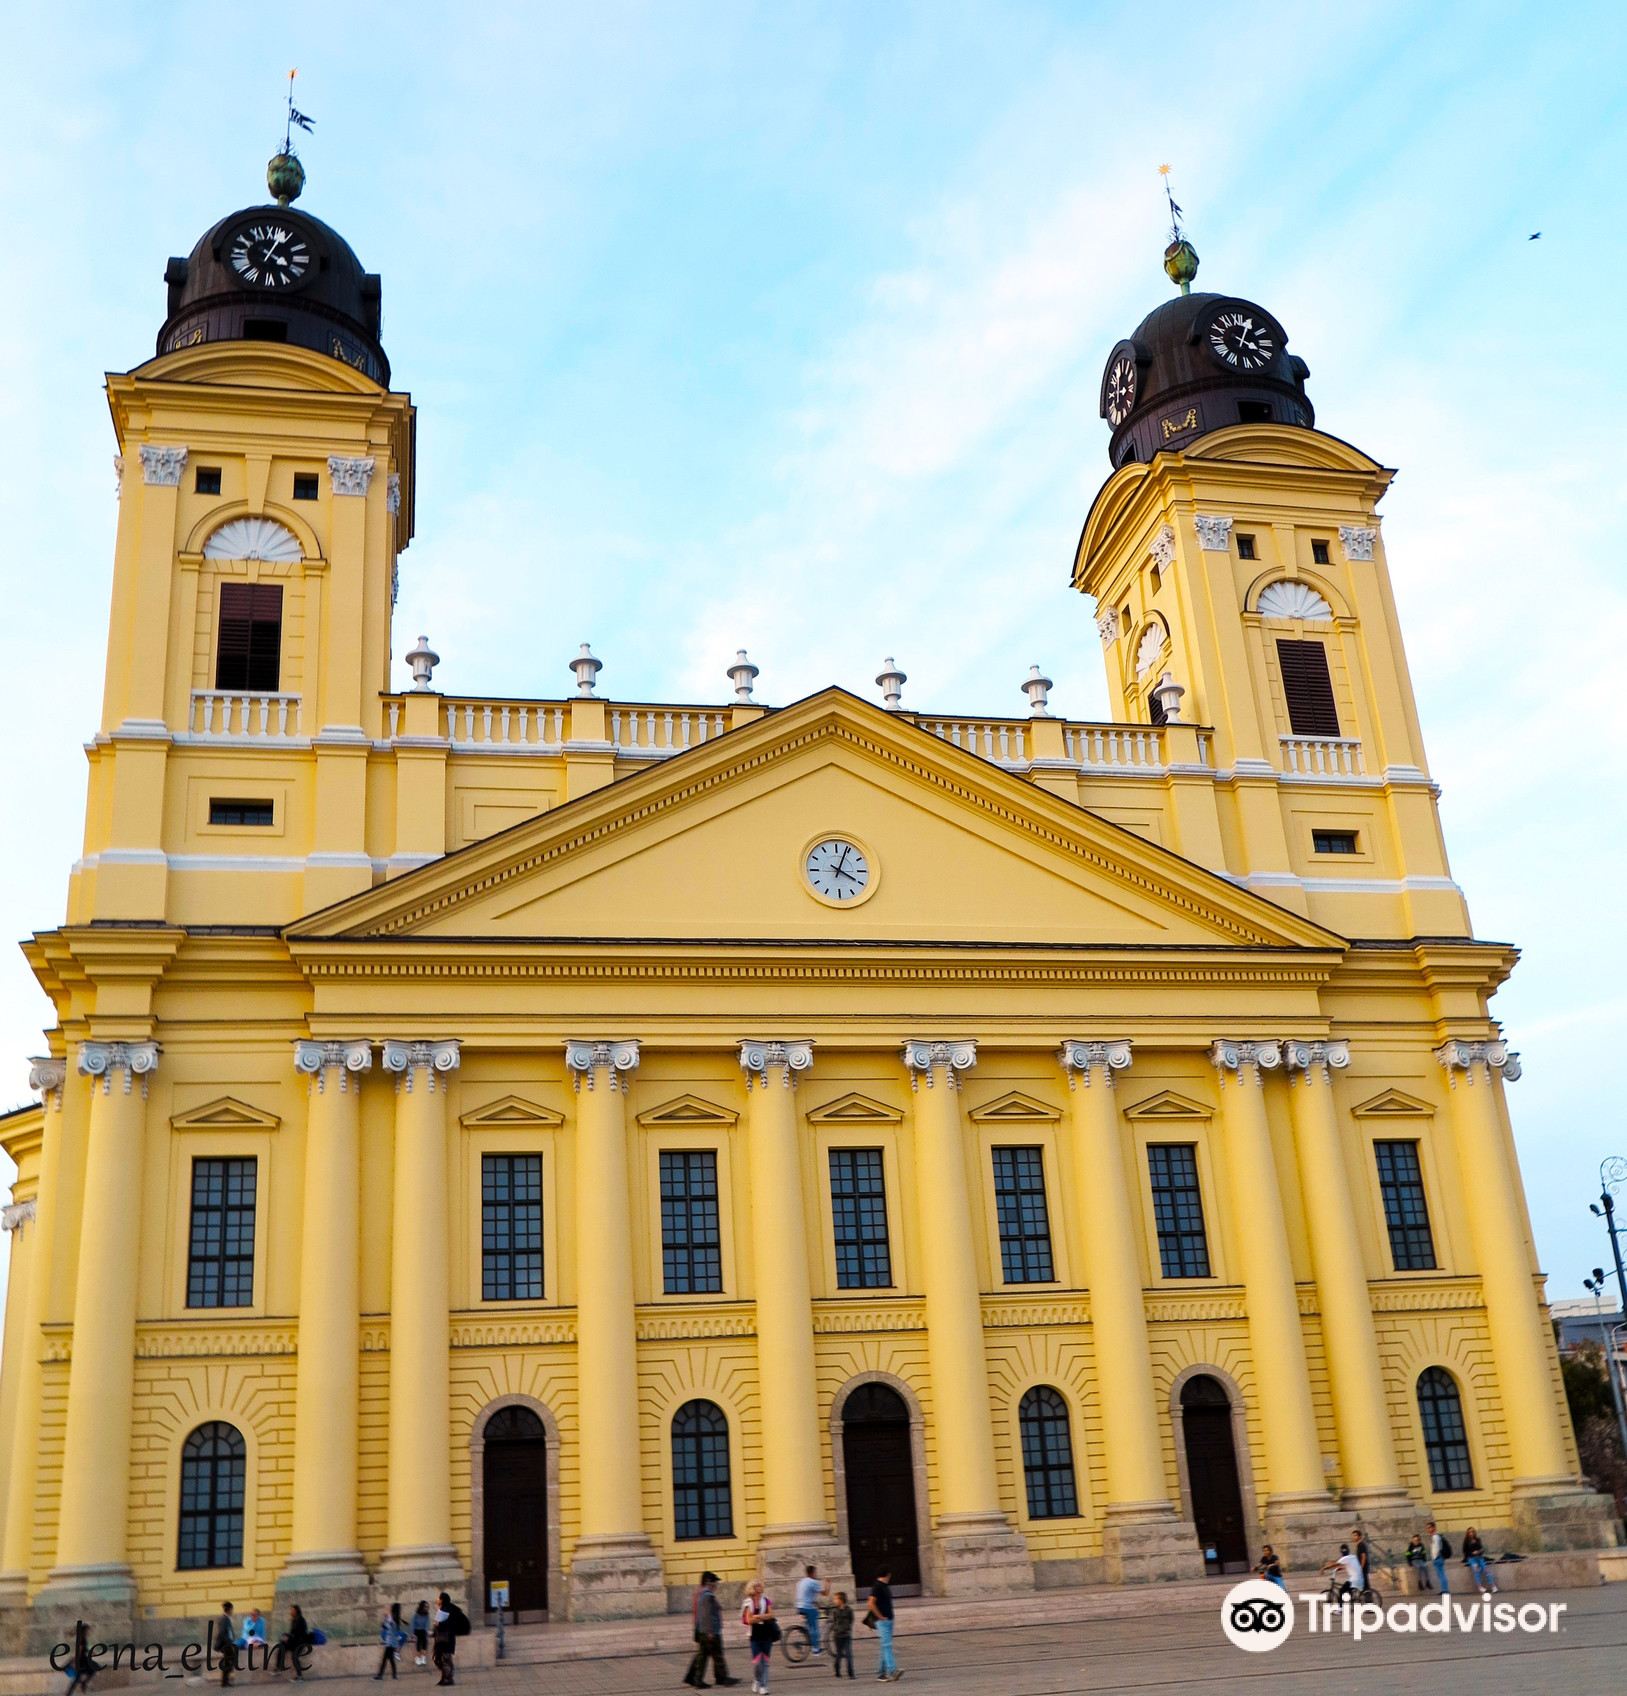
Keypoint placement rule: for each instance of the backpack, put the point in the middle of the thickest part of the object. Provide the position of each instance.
(1446, 1546)
(459, 1620)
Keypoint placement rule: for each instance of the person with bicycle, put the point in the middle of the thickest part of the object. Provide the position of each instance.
(810, 1593)
(1347, 1580)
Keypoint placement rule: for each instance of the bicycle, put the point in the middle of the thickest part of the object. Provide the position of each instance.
(795, 1643)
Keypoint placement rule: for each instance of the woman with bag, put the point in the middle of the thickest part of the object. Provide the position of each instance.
(757, 1614)
(392, 1634)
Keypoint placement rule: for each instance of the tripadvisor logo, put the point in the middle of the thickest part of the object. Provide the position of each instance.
(1258, 1615)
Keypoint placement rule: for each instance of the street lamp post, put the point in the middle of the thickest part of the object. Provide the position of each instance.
(1612, 1174)
(1607, 1335)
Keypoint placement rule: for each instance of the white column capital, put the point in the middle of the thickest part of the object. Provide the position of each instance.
(1107, 624)
(1080, 1061)
(588, 1059)
(350, 476)
(758, 1058)
(104, 1059)
(1247, 1059)
(18, 1214)
(1214, 534)
(1494, 1058)
(1315, 1058)
(47, 1074)
(162, 467)
(319, 1058)
(409, 1058)
(1358, 540)
(1162, 551)
(923, 1057)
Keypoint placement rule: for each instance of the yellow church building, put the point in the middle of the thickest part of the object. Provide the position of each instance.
(578, 1142)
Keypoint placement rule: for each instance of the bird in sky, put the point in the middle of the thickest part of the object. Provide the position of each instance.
(1536, 237)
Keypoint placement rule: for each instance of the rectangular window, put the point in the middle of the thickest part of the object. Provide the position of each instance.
(858, 1206)
(1307, 686)
(1406, 1211)
(1333, 841)
(206, 480)
(1019, 1206)
(1177, 1205)
(1253, 412)
(241, 812)
(511, 1227)
(249, 655)
(264, 330)
(220, 1256)
(305, 486)
(1155, 709)
(1245, 547)
(691, 1249)
(1319, 553)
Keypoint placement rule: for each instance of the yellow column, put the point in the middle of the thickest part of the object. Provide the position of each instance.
(90, 1553)
(976, 1551)
(796, 1531)
(420, 1535)
(49, 1076)
(1491, 1189)
(614, 1571)
(1361, 1414)
(1293, 1453)
(327, 1391)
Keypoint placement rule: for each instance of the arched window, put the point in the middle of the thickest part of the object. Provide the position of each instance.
(1446, 1439)
(701, 1503)
(213, 1467)
(1042, 1418)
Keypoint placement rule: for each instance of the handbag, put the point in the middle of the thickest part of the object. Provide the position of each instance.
(771, 1630)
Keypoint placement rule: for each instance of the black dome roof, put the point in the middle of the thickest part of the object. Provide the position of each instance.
(1185, 385)
(333, 308)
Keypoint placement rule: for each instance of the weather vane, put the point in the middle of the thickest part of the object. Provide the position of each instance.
(285, 176)
(1180, 257)
(296, 118)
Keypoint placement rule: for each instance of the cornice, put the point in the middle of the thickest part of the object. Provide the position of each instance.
(842, 1320)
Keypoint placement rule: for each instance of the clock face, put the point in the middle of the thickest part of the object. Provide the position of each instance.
(269, 255)
(1242, 339)
(837, 869)
(1121, 388)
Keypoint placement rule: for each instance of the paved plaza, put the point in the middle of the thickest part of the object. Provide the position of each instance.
(1182, 1652)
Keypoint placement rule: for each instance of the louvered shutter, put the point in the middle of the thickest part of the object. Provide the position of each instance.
(249, 653)
(1308, 688)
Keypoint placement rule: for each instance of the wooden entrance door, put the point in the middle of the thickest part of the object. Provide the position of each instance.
(515, 1477)
(1211, 1470)
(880, 1476)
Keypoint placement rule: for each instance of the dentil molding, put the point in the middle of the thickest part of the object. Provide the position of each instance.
(350, 476)
(927, 1057)
(430, 1058)
(588, 1059)
(758, 1059)
(1080, 1061)
(132, 1059)
(162, 467)
(320, 1058)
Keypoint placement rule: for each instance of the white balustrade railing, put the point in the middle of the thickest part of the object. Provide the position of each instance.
(500, 724)
(1119, 747)
(656, 731)
(1005, 743)
(257, 717)
(1322, 756)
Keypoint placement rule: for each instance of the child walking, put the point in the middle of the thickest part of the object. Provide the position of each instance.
(841, 1635)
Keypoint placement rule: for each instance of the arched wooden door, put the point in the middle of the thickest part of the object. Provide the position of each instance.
(879, 1468)
(1211, 1471)
(514, 1473)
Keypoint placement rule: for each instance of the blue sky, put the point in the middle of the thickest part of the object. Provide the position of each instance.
(780, 326)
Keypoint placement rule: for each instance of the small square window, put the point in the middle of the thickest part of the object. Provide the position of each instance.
(305, 486)
(1333, 841)
(207, 480)
(1245, 548)
(1254, 412)
(241, 812)
(1319, 553)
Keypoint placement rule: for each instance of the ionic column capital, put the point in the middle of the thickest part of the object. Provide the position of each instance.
(759, 1058)
(588, 1059)
(406, 1059)
(1247, 1059)
(1315, 1059)
(1080, 1060)
(317, 1059)
(17, 1214)
(925, 1058)
(132, 1059)
(1496, 1059)
(48, 1074)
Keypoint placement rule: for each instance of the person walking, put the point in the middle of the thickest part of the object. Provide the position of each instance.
(708, 1615)
(1270, 1566)
(225, 1643)
(296, 1643)
(451, 1623)
(82, 1668)
(841, 1635)
(1364, 1556)
(880, 1611)
(420, 1634)
(1418, 1560)
(392, 1634)
(1474, 1558)
(757, 1615)
(1440, 1552)
(810, 1593)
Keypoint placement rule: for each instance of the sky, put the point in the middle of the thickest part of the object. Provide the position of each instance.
(781, 326)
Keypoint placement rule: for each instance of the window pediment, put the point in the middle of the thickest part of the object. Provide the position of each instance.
(1168, 1105)
(1014, 1108)
(512, 1112)
(226, 1114)
(686, 1110)
(855, 1109)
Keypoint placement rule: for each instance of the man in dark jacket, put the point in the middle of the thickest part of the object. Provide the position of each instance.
(708, 1637)
(225, 1643)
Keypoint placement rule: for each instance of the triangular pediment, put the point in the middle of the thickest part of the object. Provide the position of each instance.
(854, 1109)
(687, 1110)
(1013, 1108)
(1166, 1104)
(226, 1114)
(1393, 1104)
(712, 845)
(512, 1112)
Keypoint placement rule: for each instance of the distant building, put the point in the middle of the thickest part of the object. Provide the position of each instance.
(1580, 1321)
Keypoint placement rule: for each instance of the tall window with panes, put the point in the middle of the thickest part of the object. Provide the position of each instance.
(691, 1247)
(1406, 1208)
(220, 1252)
(858, 1206)
(1177, 1206)
(511, 1227)
(1020, 1212)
